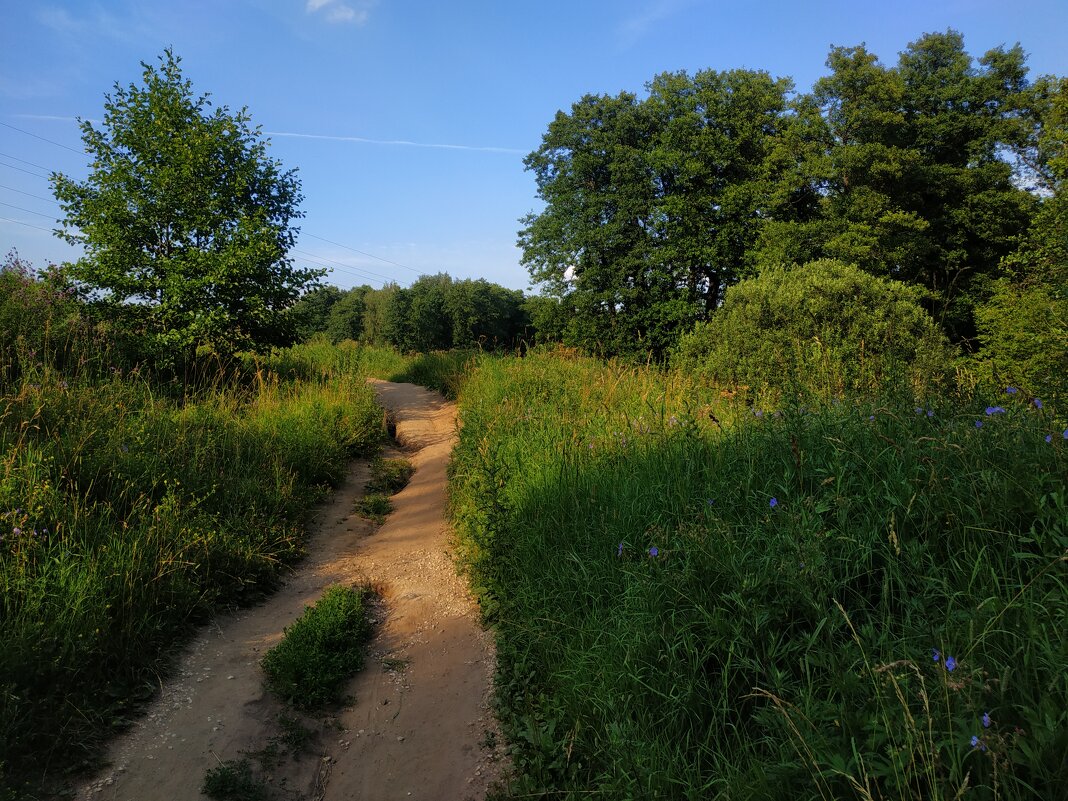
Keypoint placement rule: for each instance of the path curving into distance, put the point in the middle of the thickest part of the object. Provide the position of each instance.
(421, 712)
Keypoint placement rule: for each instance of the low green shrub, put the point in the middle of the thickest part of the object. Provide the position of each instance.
(321, 650)
(1023, 329)
(826, 327)
(234, 780)
(374, 506)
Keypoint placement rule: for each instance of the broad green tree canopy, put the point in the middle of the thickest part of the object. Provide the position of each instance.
(185, 221)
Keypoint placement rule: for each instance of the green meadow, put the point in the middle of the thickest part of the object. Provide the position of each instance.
(699, 597)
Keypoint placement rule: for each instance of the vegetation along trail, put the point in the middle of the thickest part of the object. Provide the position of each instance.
(420, 705)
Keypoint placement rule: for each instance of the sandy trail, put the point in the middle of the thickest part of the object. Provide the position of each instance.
(419, 720)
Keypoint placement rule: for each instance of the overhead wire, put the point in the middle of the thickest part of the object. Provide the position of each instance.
(20, 169)
(30, 194)
(363, 253)
(43, 139)
(317, 261)
(28, 225)
(28, 211)
(31, 163)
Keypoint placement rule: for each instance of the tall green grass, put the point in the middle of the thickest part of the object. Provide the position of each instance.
(127, 515)
(696, 599)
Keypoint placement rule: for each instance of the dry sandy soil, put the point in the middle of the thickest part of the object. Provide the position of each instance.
(418, 727)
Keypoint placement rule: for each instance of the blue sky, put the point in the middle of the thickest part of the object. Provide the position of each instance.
(408, 120)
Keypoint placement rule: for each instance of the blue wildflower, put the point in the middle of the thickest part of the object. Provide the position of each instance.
(619, 550)
(1037, 402)
(930, 412)
(975, 741)
(919, 410)
(978, 423)
(936, 655)
(1011, 390)
(994, 410)
(773, 502)
(654, 551)
(951, 664)
(871, 416)
(986, 720)
(758, 413)
(1066, 433)
(16, 531)
(1049, 438)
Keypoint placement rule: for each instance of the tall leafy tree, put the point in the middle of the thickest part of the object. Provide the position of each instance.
(1023, 326)
(185, 220)
(916, 181)
(653, 206)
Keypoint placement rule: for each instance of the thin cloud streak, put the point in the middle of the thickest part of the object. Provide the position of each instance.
(400, 142)
(359, 139)
(630, 30)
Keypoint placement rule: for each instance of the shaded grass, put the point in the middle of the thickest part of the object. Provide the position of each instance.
(374, 506)
(234, 780)
(666, 631)
(388, 477)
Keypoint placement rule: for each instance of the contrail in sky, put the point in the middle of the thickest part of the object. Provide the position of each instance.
(403, 142)
(360, 139)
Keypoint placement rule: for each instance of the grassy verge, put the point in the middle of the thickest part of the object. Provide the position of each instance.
(700, 600)
(126, 516)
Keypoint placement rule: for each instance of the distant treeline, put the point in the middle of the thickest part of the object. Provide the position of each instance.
(434, 313)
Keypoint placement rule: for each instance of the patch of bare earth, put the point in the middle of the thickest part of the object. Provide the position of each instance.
(418, 722)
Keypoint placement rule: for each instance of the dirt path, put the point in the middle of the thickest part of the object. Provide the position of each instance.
(420, 719)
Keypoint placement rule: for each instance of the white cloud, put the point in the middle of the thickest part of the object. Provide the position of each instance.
(337, 11)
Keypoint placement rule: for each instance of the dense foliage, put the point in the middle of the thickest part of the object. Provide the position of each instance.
(824, 325)
(916, 172)
(185, 222)
(1023, 326)
(854, 601)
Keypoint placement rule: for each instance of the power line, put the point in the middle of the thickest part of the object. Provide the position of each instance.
(28, 211)
(16, 158)
(50, 141)
(338, 271)
(28, 172)
(362, 253)
(342, 264)
(20, 222)
(29, 194)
